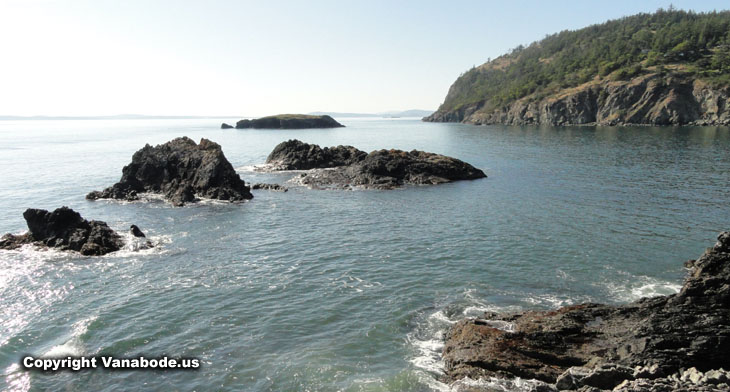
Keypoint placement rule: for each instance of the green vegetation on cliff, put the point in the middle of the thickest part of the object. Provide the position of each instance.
(666, 42)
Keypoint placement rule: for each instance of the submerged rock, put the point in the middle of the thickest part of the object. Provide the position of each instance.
(290, 121)
(270, 187)
(180, 170)
(596, 346)
(65, 229)
(382, 169)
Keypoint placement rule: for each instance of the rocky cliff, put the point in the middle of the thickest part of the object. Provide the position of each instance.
(601, 346)
(648, 99)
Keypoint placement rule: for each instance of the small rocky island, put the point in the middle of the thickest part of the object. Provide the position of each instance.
(669, 343)
(65, 229)
(180, 170)
(346, 166)
(287, 121)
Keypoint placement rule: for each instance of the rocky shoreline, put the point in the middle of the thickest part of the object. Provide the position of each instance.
(648, 345)
(346, 166)
(649, 99)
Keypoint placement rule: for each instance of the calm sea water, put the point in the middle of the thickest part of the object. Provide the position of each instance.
(343, 290)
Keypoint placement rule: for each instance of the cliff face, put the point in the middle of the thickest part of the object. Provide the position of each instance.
(687, 329)
(648, 100)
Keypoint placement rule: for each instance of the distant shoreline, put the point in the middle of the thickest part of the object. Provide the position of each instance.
(391, 114)
(117, 117)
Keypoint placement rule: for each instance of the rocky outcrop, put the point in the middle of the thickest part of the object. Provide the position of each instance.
(600, 346)
(290, 121)
(346, 166)
(180, 170)
(226, 126)
(690, 380)
(270, 187)
(649, 99)
(65, 229)
(296, 155)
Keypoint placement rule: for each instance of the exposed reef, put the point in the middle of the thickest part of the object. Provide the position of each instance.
(600, 346)
(290, 121)
(65, 229)
(226, 126)
(270, 187)
(180, 170)
(346, 166)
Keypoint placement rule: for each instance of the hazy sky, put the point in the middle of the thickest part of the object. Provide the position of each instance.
(255, 58)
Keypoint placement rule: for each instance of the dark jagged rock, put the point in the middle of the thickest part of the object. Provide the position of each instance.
(382, 169)
(65, 229)
(592, 345)
(226, 126)
(296, 155)
(180, 170)
(270, 187)
(290, 121)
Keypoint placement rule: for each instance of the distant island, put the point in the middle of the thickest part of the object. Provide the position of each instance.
(388, 114)
(666, 68)
(114, 117)
(287, 121)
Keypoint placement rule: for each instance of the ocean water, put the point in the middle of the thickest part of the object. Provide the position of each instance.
(342, 290)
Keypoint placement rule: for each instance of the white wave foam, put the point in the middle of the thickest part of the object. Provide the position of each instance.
(656, 289)
(135, 246)
(642, 287)
(496, 384)
(551, 301)
(429, 355)
(73, 346)
(427, 342)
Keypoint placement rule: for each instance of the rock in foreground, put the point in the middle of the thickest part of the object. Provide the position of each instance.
(180, 170)
(290, 121)
(601, 346)
(65, 229)
(383, 169)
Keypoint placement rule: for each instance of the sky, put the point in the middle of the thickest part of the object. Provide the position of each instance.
(255, 58)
